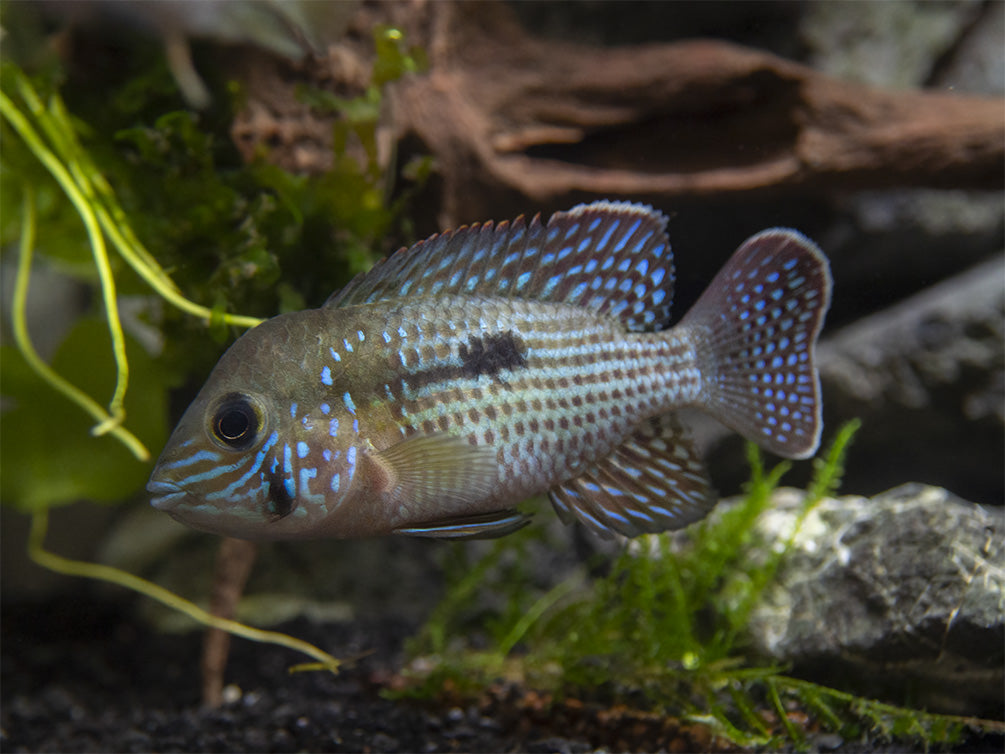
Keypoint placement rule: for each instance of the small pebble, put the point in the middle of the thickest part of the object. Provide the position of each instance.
(231, 693)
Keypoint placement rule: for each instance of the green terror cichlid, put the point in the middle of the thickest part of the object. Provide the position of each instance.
(494, 362)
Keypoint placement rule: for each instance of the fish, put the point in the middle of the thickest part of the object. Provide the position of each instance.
(495, 362)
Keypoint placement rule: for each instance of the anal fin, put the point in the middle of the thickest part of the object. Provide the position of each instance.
(481, 526)
(654, 481)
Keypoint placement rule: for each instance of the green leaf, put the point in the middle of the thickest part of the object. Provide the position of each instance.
(49, 455)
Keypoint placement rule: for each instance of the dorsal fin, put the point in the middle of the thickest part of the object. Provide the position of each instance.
(654, 481)
(613, 257)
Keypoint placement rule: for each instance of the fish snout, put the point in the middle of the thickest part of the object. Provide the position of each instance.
(166, 495)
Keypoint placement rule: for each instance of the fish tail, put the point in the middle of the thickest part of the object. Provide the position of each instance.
(756, 328)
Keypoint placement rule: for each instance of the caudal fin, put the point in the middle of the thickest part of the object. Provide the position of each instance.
(757, 327)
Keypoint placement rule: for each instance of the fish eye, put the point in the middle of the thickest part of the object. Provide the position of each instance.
(235, 423)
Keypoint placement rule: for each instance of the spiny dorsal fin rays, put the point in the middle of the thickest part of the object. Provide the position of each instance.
(612, 257)
(760, 319)
(653, 482)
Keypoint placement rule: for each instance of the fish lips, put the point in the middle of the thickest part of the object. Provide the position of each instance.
(166, 495)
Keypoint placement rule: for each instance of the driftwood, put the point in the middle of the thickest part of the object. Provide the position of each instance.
(509, 116)
(517, 122)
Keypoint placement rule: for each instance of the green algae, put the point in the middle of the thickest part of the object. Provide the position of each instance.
(663, 630)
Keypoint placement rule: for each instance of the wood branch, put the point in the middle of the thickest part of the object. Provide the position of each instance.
(233, 566)
(514, 120)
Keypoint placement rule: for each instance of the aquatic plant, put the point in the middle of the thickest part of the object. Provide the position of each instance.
(664, 629)
(185, 214)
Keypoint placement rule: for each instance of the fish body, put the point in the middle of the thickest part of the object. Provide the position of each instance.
(492, 363)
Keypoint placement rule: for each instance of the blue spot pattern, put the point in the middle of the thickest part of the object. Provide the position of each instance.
(615, 247)
(765, 310)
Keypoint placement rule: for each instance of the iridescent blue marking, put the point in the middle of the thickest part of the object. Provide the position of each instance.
(591, 518)
(336, 482)
(523, 279)
(202, 455)
(550, 286)
(347, 344)
(290, 486)
(641, 243)
(657, 276)
(350, 406)
(402, 333)
(350, 459)
(326, 454)
(302, 449)
(287, 459)
(606, 238)
(658, 296)
(325, 409)
(255, 466)
(334, 354)
(333, 428)
(293, 410)
(628, 234)
(361, 335)
(305, 476)
(326, 376)
(387, 338)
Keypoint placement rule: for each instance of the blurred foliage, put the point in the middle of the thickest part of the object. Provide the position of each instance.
(174, 199)
(75, 465)
(664, 630)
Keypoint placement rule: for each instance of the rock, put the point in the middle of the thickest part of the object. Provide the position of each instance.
(927, 378)
(885, 44)
(899, 597)
(975, 65)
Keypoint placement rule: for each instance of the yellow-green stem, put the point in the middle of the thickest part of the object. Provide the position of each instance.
(100, 572)
(19, 325)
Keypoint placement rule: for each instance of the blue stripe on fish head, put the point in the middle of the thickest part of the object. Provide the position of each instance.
(253, 457)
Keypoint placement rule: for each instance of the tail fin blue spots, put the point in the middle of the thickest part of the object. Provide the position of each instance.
(768, 301)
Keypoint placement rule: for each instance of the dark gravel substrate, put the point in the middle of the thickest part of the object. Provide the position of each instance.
(80, 674)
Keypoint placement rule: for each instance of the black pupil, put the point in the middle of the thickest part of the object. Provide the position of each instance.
(235, 423)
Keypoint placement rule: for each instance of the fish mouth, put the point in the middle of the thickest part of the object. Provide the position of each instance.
(166, 495)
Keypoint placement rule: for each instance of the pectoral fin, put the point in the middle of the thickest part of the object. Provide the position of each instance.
(481, 526)
(434, 471)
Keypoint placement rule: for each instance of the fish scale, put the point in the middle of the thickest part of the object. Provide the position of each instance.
(551, 412)
(488, 364)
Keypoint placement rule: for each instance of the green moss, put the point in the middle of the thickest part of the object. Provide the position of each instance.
(664, 629)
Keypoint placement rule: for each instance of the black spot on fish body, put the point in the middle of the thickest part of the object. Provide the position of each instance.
(490, 354)
(280, 503)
